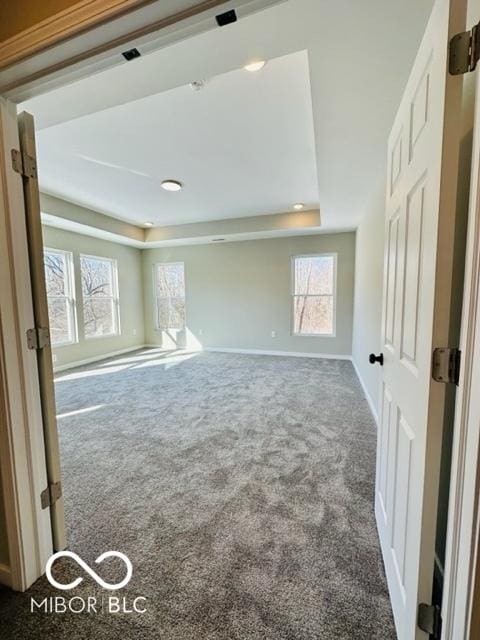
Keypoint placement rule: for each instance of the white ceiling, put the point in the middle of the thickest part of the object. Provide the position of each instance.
(359, 55)
(242, 146)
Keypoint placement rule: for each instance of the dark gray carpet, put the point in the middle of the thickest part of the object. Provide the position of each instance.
(241, 487)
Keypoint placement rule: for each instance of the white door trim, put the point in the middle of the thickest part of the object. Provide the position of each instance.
(463, 520)
(22, 449)
(82, 15)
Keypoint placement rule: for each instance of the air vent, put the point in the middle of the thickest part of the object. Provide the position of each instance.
(218, 239)
(226, 18)
(131, 54)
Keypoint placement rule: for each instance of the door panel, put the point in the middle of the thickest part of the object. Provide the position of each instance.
(392, 280)
(419, 234)
(40, 308)
(413, 253)
(384, 454)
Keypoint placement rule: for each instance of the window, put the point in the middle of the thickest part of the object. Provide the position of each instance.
(170, 295)
(60, 296)
(100, 296)
(314, 294)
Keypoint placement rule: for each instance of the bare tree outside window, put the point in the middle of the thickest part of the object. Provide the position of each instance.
(314, 294)
(170, 295)
(100, 296)
(61, 305)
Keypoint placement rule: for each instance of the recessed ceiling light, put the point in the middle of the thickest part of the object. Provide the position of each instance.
(172, 185)
(298, 206)
(255, 66)
(148, 224)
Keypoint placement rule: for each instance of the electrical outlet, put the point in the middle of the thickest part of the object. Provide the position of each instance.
(54, 357)
(274, 334)
(200, 332)
(134, 332)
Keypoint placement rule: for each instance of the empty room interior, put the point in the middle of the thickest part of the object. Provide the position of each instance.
(213, 239)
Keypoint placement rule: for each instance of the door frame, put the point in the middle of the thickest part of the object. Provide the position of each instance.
(22, 447)
(464, 518)
(462, 552)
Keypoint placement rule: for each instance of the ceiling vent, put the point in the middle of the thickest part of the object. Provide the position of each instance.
(131, 54)
(226, 18)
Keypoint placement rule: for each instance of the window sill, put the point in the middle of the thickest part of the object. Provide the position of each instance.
(104, 335)
(58, 345)
(314, 335)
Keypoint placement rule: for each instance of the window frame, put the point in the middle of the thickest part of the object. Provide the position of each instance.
(293, 295)
(115, 297)
(70, 297)
(156, 297)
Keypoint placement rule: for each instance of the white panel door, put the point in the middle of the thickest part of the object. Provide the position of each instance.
(40, 310)
(419, 234)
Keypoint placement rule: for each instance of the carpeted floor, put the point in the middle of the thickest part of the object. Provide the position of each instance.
(240, 487)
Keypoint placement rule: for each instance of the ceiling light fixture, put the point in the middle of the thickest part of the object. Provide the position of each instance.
(255, 66)
(298, 206)
(148, 224)
(171, 185)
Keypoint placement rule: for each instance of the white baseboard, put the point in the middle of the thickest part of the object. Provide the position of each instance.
(103, 356)
(293, 354)
(172, 350)
(258, 352)
(160, 348)
(366, 393)
(5, 575)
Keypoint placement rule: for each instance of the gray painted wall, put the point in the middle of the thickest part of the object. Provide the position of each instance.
(237, 293)
(130, 288)
(367, 316)
(51, 205)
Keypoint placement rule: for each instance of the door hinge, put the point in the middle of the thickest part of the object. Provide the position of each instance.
(24, 164)
(429, 619)
(446, 365)
(38, 338)
(51, 494)
(464, 51)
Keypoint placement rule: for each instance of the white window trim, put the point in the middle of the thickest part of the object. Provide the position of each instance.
(115, 297)
(70, 296)
(156, 298)
(293, 295)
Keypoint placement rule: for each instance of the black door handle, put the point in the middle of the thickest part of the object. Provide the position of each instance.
(372, 358)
